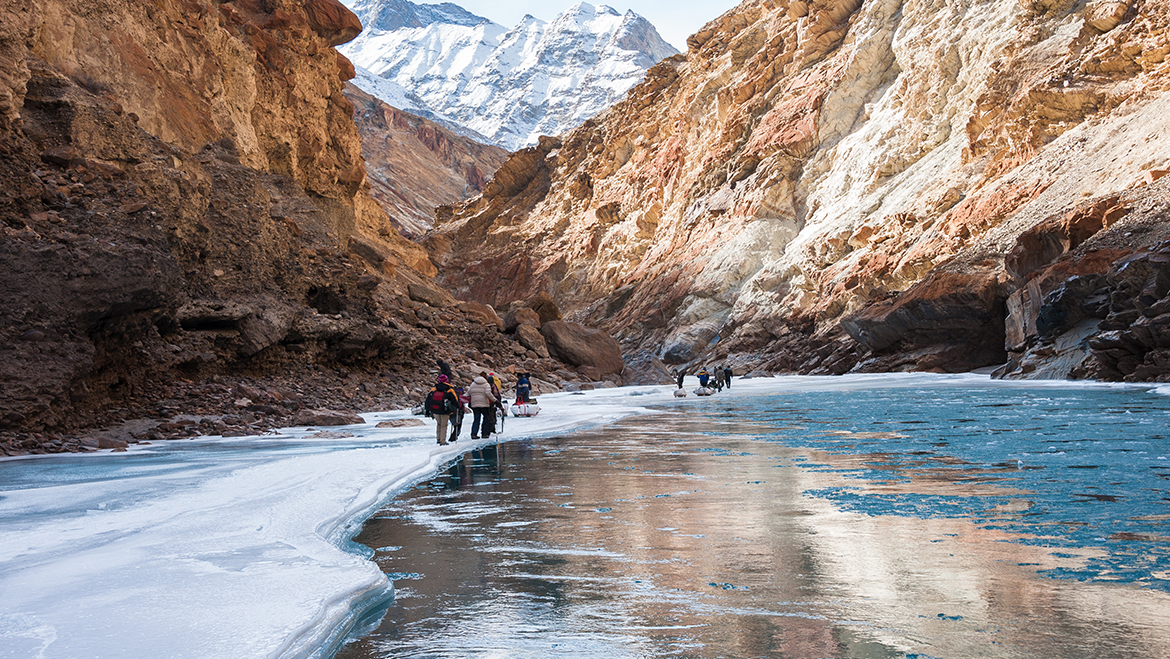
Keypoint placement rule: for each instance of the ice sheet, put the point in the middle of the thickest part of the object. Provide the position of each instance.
(240, 547)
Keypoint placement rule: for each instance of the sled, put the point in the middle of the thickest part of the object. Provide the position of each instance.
(704, 391)
(680, 393)
(525, 409)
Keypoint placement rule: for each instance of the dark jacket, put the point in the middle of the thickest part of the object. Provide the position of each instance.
(450, 400)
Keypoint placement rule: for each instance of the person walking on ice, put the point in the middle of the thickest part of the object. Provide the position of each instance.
(441, 403)
(482, 402)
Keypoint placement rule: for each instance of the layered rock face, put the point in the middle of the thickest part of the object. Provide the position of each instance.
(183, 200)
(826, 185)
(510, 85)
(414, 165)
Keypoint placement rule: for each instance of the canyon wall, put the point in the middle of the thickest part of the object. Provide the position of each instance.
(826, 185)
(184, 208)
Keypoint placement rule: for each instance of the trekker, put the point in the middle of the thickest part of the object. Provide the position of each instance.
(523, 389)
(704, 377)
(718, 379)
(441, 403)
(482, 404)
(727, 376)
(457, 417)
(681, 374)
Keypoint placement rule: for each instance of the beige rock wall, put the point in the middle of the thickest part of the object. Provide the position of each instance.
(258, 75)
(807, 160)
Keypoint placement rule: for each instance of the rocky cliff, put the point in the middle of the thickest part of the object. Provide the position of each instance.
(415, 165)
(187, 232)
(826, 185)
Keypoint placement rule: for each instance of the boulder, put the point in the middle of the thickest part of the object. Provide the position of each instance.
(326, 418)
(545, 307)
(645, 368)
(578, 346)
(111, 443)
(520, 316)
(430, 295)
(531, 338)
(400, 423)
(482, 312)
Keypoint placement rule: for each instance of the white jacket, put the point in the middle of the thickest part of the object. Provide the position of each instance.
(480, 393)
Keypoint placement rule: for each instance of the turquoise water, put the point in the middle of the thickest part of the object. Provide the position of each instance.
(997, 521)
(1075, 468)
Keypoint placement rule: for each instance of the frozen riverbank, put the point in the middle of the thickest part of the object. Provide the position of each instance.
(215, 547)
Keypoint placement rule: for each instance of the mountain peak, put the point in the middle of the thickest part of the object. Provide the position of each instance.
(537, 78)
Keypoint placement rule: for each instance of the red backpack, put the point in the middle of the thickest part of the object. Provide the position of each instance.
(439, 403)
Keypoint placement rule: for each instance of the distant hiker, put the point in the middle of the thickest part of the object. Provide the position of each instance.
(719, 379)
(445, 369)
(681, 374)
(441, 403)
(727, 376)
(457, 416)
(482, 406)
(497, 386)
(704, 376)
(523, 389)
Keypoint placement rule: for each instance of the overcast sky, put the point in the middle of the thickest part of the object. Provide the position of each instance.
(675, 19)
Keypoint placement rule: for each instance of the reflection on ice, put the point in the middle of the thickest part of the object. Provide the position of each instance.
(804, 530)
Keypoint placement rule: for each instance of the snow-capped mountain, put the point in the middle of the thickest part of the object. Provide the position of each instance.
(510, 85)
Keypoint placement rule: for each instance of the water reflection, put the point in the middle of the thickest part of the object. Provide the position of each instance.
(649, 539)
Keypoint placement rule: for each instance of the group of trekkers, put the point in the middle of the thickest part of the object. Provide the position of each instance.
(716, 378)
(448, 404)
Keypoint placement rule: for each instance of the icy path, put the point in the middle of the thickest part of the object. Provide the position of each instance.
(240, 547)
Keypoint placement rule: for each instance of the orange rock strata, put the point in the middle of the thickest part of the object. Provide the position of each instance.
(812, 175)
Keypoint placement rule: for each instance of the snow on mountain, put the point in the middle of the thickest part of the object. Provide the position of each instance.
(510, 85)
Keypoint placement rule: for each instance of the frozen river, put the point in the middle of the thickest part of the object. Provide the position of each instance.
(862, 516)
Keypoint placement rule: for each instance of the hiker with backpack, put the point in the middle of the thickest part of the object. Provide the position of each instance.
(727, 376)
(483, 402)
(441, 403)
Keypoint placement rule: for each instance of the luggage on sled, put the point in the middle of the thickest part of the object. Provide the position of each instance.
(704, 391)
(521, 408)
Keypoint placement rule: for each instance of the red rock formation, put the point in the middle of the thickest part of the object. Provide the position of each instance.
(809, 163)
(414, 165)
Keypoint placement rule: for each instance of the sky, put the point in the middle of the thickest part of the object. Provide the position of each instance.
(675, 19)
